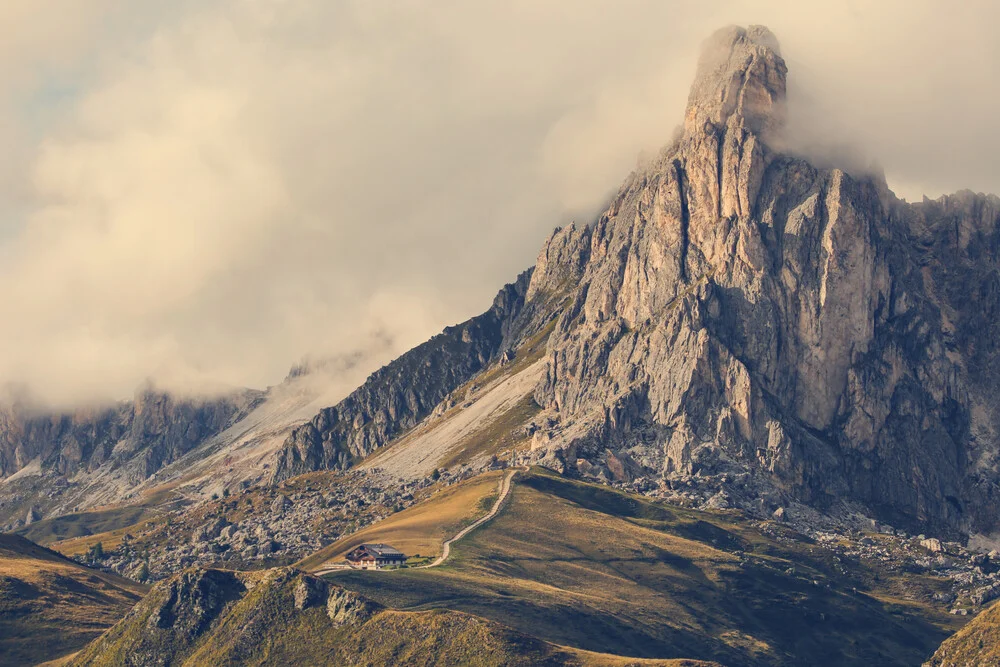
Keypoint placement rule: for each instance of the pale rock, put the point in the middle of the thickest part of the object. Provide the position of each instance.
(932, 544)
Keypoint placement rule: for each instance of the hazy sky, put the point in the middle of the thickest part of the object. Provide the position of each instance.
(205, 191)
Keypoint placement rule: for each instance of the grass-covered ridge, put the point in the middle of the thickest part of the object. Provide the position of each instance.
(51, 606)
(978, 643)
(284, 616)
(584, 565)
(421, 529)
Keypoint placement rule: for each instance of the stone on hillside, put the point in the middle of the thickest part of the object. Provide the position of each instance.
(345, 607)
(280, 504)
(719, 501)
(309, 592)
(981, 596)
(931, 544)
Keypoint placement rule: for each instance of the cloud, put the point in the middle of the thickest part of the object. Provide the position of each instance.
(209, 191)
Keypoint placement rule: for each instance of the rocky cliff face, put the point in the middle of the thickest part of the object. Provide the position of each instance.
(400, 394)
(737, 309)
(741, 309)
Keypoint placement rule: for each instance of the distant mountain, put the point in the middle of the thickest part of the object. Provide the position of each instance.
(107, 452)
(57, 462)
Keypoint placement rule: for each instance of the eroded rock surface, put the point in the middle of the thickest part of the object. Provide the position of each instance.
(740, 308)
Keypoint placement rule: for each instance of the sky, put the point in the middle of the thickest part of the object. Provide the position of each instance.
(203, 193)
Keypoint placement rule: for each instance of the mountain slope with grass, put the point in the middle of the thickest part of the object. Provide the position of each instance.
(51, 606)
(975, 645)
(284, 616)
(587, 566)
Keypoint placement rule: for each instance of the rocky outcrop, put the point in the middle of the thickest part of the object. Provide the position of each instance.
(399, 395)
(739, 308)
(345, 607)
(190, 602)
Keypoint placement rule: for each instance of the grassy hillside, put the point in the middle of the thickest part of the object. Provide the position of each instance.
(420, 529)
(51, 606)
(586, 566)
(83, 524)
(75, 533)
(283, 616)
(978, 643)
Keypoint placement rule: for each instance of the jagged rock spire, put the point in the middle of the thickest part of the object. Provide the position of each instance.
(740, 73)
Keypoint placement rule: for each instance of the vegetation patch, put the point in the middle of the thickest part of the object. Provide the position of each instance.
(583, 565)
(51, 606)
(282, 616)
(421, 529)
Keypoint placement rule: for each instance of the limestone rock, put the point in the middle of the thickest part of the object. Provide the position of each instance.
(345, 607)
(405, 391)
(280, 504)
(932, 544)
(309, 592)
(741, 309)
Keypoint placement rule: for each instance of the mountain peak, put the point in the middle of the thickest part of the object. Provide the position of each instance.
(741, 75)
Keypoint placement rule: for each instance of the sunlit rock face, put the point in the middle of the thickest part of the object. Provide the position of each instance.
(738, 308)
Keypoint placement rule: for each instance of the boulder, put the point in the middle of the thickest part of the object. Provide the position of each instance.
(932, 544)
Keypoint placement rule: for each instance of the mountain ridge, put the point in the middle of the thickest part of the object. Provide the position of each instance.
(736, 310)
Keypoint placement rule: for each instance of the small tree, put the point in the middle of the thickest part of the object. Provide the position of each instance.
(436, 475)
(95, 553)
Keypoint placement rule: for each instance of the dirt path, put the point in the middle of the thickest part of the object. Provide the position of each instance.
(505, 485)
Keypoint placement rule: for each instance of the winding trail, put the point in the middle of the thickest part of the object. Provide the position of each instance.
(505, 486)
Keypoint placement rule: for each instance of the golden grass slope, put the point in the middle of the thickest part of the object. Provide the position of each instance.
(51, 606)
(583, 565)
(213, 617)
(420, 529)
(975, 645)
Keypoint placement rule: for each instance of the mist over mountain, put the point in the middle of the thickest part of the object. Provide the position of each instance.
(202, 193)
